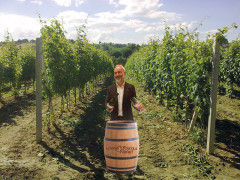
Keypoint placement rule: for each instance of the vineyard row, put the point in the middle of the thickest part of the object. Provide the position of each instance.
(177, 69)
(68, 66)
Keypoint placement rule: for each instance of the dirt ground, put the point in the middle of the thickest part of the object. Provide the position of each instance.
(74, 147)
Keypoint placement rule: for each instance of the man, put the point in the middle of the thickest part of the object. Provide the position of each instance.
(122, 110)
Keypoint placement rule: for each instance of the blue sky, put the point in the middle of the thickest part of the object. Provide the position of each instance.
(119, 21)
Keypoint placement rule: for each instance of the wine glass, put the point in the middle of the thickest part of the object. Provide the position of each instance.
(135, 102)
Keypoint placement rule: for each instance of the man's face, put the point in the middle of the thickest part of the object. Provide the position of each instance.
(119, 74)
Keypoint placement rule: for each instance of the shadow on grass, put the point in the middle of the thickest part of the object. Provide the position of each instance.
(61, 158)
(235, 93)
(86, 141)
(129, 176)
(228, 132)
(13, 109)
(90, 128)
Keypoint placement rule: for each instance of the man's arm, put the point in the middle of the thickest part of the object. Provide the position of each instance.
(138, 106)
(107, 101)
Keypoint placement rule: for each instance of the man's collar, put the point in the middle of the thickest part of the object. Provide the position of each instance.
(120, 86)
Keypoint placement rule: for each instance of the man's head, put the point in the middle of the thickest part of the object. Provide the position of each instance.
(119, 74)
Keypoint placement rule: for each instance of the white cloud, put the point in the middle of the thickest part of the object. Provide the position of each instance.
(150, 28)
(183, 25)
(95, 35)
(149, 37)
(112, 2)
(213, 31)
(72, 19)
(68, 3)
(39, 2)
(109, 20)
(106, 19)
(102, 26)
(147, 29)
(78, 2)
(106, 26)
(139, 8)
(19, 26)
(154, 27)
(134, 23)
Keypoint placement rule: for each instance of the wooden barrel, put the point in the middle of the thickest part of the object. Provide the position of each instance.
(121, 146)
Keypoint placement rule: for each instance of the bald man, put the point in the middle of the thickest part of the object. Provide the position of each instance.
(122, 109)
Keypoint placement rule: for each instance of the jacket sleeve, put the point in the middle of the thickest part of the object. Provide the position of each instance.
(107, 97)
(134, 92)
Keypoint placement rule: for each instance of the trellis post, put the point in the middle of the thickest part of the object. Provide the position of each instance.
(213, 97)
(38, 72)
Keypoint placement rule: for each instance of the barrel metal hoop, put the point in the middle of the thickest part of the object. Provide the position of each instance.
(122, 168)
(121, 140)
(121, 128)
(121, 158)
(121, 124)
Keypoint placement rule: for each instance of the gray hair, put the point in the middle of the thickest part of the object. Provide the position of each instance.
(119, 65)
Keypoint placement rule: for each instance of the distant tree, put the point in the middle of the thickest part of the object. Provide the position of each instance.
(20, 41)
(105, 47)
(126, 52)
(71, 41)
(119, 52)
(120, 60)
(116, 53)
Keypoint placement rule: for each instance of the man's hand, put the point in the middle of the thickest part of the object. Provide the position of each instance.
(139, 107)
(109, 110)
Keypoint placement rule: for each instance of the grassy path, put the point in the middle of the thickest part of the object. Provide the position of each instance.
(74, 149)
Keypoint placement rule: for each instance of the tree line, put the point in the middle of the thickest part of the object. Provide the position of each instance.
(119, 52)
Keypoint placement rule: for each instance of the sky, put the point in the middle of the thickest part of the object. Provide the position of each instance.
(119, 21)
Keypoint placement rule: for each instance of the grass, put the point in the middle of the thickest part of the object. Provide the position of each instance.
(195, 157)
(198, 135)
(166, 150)
(198, 159)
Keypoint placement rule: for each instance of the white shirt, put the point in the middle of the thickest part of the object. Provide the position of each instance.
(120, 90)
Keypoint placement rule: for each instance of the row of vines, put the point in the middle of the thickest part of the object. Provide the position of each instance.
(16, 67)
(69, 66)
(177, 69)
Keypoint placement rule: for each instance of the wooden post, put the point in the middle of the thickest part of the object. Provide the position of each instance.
(213, 98)
(194, 118)
(38, 71)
